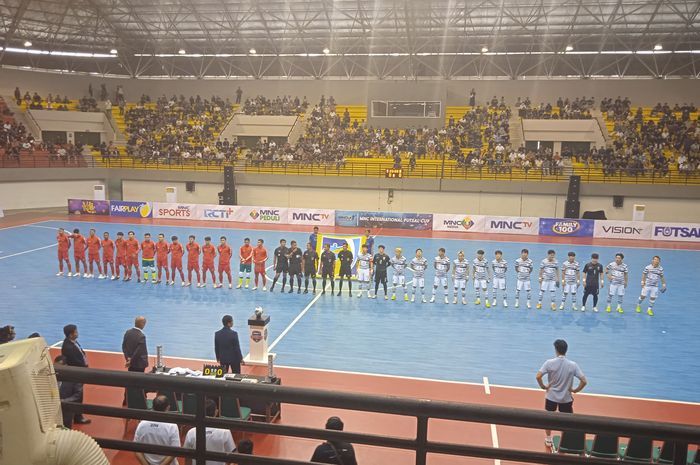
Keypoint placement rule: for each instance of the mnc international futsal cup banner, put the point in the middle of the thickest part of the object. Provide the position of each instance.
(336, 241)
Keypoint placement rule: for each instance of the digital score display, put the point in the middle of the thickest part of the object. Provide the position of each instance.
(393, 173)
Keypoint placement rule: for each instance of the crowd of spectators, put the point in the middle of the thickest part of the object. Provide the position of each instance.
(578, 108)
(279, 106)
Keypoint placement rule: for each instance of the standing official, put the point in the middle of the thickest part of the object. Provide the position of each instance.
(75, 357)
(327, 267)
(345, 258)
(227, 346)
(134, 346)
(381, 262)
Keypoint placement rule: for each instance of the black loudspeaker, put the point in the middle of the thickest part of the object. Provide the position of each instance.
(229, 180)
(572, 209)
(574, 188)
(189, 186)
(618, 201)
(227, 197)
(594, 215)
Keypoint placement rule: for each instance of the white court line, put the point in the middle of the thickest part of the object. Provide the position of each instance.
(296, 320)
(44, 227)
(487, 386)
(28, 251)
(25, 224)
(494, 432)
(59, 344)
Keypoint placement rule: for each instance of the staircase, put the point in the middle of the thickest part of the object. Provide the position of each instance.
(515, 129)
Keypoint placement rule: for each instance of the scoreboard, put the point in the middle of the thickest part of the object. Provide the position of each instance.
(393, 173)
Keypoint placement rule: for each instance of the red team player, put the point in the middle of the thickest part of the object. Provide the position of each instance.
(93, 246)
(162, 250)
(259, 259)
(193, 251)
(225, 254)
(63, 245)
(176, 253)
(208, 254)
(108, 254)
(120, 245)
(132, 257)
(79, 245)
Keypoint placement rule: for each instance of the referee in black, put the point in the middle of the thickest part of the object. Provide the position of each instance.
(294, 256)
(381, 263)
(345, 257)
(328, 267)
(281, 264)
(310, 259)
(593, 271)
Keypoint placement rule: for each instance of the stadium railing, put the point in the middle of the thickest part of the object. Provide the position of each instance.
(422, 410)
(366, 169)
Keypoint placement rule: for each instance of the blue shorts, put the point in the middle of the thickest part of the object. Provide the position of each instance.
(148, 262)
(245, 268)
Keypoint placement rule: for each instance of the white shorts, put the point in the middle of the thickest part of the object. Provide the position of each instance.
(616, 289)
(399, 279)
(570, 288)
(651, 291)
(523, 285)
(500, 283)
(480, 284)
(419, 282)
(363, 275)
(440, 281)
(460, 283)
(548, 286)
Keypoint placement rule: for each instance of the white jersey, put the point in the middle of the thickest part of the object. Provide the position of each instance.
(499, 269)
(523, 268)
(570, 270)
(399, 265)
(442, 266)
(480, 268)
(617, 272)
(550, 269)
(461, 269)
(418, 265)
(653, 275)
(363, 261)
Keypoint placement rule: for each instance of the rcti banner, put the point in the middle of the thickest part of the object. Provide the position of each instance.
(88, 207)
(566, 227)
(265, 215)
(311, 216)
(528, 225)
(178, 211)
(336, 241)
(396, 220)
(131, 209)
(685, 232)
(458, 223)
(622, 229)
(215, 213)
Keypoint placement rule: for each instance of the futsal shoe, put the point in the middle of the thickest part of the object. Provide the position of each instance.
(528, 304)
(338, 294)
(639, 308)
(423, 300)
(517, 304)
(561, 307)
(70, 275)
(447, 301)
(374, 296)
(255, 288)
(608, 309)
(186, 284)
(359, 294)
(573, 307)
(291, 291)
(155, 281)
(432, 299)
(413, 298)
(306, 291)
(553, 306)
(464, 301)
(650, 312)
(539, 305)
(264, 288)
(583, 309)
(246, 286)
(405, 297)
(113, 278)
(620, 310)
(85, 275)
(455, 300)
(202, 285)
(505, 303)
(393, 296)
(60, 273)
(477, 301)
(230, 286)
(488, 304)
(595, 309)
(386, 297)
(493, 303)
(239, 286)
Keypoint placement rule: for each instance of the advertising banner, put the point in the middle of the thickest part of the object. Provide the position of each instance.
(215, 213)
(528, 225)
(263, 215)
(311, 216)
(458, 223)
(335, 242)
(88, 207)
(396, 220)
(178, 211)
(566, 227)
(685, 232)
(622, 229)
(131, 209)
(347, 218)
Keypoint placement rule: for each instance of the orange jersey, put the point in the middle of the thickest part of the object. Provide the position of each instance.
(193, 250)
(176, 251)
(259, 254)
(121, 247)
(79, 243)
(162, 249)
(245, 254)
(132, 247)
(63, 242)
(225, 254)
(149, 249)
(209, 252)
(107, 248)
(93, 244)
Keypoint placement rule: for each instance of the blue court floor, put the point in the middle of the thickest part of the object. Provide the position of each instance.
(629, 354)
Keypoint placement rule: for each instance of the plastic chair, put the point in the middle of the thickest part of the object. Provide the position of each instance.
(189, 404)
(570, 442)
(603, 446)
(664, 454)
(231, 408)
(638, 450)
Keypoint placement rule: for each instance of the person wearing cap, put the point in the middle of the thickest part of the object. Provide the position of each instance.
(335, 452)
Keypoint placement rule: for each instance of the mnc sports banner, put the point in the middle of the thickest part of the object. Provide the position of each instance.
(566, 227)
(529, 225)
(88, 207)
(264, 215)
(215, 213)
(622, 229)
(395, 220)
(685, 232)
(458, 223)
(131, 209)
(347, 218)
(311, 216)
(336, 241)
(178, 211)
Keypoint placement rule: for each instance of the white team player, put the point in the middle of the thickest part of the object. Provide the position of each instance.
(618, 274)
(652, 276)
(364, 270)
(418, 265)
(549, 278)
(442, 266)
(499, 267)
(398, 263)
(481, 278)
(460, 275)
(523, 269)
(570, 280)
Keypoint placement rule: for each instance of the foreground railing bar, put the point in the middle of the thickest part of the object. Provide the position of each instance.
(388, 405)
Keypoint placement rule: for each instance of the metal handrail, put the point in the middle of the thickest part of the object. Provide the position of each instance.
(421, 409)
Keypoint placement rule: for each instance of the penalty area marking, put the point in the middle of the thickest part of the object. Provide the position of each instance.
(494, 432)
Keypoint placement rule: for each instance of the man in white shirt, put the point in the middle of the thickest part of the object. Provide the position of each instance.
(158, 433)
(218, 440)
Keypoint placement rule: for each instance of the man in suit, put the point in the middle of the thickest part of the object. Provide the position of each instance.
(74, 356)
(134, 346)
(68, 391)
(227, 347)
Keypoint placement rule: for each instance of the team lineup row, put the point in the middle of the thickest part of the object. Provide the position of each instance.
(292, 262)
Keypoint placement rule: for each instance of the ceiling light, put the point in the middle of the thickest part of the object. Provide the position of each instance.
(27, 43)
(484, 49)
(113, 51)
(658, 47)
(326, 51)
(569, 48)
(252, 51)
(181, 51)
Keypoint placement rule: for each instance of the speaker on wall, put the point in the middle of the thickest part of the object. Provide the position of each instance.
(618, 201)
(189, 186)
(229, 180)
(572, 208)
(227, 197)
(574, 187)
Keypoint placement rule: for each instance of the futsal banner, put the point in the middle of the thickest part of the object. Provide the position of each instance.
(177, 211)
(528, 225)
(395, 220)
(88, 207)
(264, 215)
(634, 230)
(458, 223)
(130, 209)
(311, 216)
(336, 241)
(566, 227)
(684, 232)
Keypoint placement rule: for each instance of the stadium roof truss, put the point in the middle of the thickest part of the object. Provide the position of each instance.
(354, 39)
